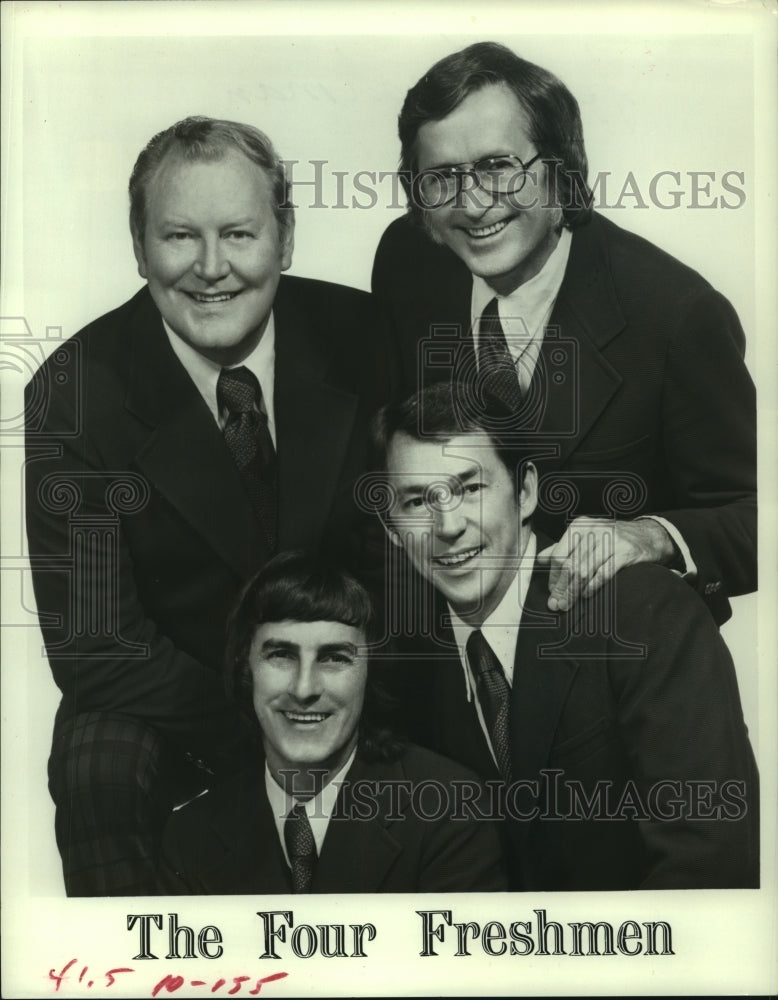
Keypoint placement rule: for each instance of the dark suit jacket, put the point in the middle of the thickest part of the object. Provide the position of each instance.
(644, 401)
(140, 531)
(226, 842)
(628, 690)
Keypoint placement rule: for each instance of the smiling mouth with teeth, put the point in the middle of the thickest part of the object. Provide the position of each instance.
(306, 718)
(456, 558)
(207, 298)
(484, 231)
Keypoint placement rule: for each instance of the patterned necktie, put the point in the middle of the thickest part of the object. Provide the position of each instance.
(494, 697)
(248, 439)
(495, 364)
(301, 848)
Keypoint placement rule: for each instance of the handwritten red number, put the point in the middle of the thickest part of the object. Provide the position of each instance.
(218, 985)
(267, 979)
(169, 983)
(111, 975)
(58, 978)
(237, 980)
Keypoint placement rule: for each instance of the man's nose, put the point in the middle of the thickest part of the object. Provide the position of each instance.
(212, 263)
(305, 685)
(473, 198)
(450, 523)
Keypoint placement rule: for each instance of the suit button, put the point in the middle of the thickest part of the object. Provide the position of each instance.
(200, 763)
(188, 756)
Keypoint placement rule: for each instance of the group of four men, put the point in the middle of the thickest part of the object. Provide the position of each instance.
(553, 469)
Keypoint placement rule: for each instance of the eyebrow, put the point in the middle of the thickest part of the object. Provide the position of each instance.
(463, 165)
(181, 223)
(469, 164)
(270, 645)
(337, 647)
(461, 477)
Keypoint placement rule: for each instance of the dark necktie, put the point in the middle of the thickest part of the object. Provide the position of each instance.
(301, 848)
(494, 697)
(495, 364)
(248, 438)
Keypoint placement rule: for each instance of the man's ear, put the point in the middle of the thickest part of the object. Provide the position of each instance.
(287, 241)
(528, 494)
(393, 536)
(140, 256)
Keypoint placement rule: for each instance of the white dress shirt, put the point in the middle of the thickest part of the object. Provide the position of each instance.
(205, 373)
(526, 311)
(319, 808)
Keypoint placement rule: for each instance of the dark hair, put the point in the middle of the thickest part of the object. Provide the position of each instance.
(306, 587)
(200, 138)
(553, 113)
(444, 410)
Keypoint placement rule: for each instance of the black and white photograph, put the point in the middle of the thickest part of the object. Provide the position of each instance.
(389, 499)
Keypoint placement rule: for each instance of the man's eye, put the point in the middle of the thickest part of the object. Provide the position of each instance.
(499, 163)
(338, 658)
(439, 174)
(279, 655)
(179, 237)
(239, 235)
(473, 488)
(414, 503)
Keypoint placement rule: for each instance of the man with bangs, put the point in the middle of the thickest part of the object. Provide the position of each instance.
(332, 801)
(174, 445)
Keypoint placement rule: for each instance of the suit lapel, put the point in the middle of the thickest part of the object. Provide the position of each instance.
(540, 686)
(184, 455)
(435, 332)
(573, 382)
(461, 735)
(243, 845)
(577, 382)
(357, 854)
(314, 422)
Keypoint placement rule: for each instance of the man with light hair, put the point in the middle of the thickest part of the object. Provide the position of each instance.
(185, 444)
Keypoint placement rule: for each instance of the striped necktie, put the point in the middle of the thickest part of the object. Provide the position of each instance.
(496, 367)
(301, 848)
(494, 697)
(247, 436)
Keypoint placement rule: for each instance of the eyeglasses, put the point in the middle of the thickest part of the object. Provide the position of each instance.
(503, 173)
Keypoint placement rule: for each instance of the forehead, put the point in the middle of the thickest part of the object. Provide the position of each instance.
(232, 181)
(309, 635)
(413, 462)
(489, 120)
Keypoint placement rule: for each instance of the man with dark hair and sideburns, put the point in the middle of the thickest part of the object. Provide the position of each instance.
(615, 727)
(623, 366)
(332, 801)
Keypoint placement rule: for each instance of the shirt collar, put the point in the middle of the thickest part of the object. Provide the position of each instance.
(205, 373)
(501, 628)
(531, 300)
(319, 809)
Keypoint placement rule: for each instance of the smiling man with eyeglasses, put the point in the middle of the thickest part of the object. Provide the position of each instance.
(623, 368)
(502, 173)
